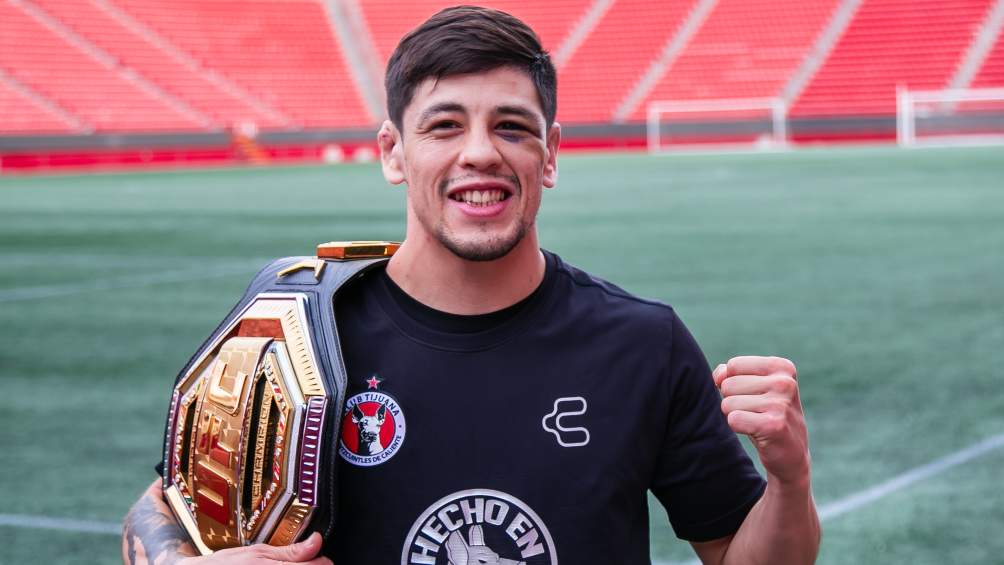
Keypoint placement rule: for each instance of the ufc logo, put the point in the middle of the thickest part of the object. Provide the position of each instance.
(214, 472)
(225, 389)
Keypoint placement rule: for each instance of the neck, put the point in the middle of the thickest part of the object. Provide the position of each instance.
(436, 277)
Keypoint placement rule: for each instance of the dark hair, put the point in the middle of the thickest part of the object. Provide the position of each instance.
(467, 39)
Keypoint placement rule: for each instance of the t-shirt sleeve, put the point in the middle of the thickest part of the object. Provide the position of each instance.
(703, 477)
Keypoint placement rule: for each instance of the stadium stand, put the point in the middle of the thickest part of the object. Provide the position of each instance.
(991, 74)
(199, 67)
(22, 115)
(37, 55)
(914, 43)
(283, 53)
(745, 49)
(616, 54)
(135, 48)
(388, 20)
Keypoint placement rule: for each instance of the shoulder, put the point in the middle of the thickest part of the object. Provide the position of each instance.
(599, 299)
(588, 287)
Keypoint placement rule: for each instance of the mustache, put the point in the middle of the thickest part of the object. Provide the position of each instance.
(445, 184)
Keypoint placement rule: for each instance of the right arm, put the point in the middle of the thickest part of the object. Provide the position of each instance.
(152, 536)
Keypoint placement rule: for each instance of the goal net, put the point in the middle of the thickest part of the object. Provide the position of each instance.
(950, 117)
(748, 124)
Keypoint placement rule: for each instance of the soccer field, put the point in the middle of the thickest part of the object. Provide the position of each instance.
(880, 272)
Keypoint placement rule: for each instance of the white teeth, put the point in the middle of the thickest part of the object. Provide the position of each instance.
(480, 197)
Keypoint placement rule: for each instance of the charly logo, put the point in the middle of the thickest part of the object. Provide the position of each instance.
(373, 429)
(479, 526)
(565, 408)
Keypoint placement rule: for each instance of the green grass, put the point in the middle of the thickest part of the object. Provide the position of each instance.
(878, 271)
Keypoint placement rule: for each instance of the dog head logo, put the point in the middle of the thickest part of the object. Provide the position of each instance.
(369, 429)
(373, 429)
(474, 553)
(479, 527)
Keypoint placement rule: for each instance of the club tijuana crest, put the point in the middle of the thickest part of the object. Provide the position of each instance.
(373, 429)
(479, 526)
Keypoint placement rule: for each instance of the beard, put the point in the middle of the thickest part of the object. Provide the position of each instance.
(487, 249)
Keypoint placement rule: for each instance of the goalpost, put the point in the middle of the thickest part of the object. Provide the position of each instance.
(733, 124)
(949, 117)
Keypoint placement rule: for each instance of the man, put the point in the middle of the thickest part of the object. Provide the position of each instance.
(541, 403)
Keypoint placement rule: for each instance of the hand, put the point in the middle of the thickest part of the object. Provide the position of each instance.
(262, 554)
(760, 400)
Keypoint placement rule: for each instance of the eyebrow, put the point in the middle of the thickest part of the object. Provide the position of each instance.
(521, 111)
(440, 108)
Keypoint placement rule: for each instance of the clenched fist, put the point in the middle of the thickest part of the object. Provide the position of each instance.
(760, 400)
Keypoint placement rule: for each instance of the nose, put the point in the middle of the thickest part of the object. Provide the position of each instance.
(479, 151)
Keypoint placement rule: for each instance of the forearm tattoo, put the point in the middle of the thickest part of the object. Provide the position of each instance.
(162, 539)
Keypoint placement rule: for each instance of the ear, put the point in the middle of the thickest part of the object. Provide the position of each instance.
(456, 548)
(357, 414)
(381, 413)
(391, 153)
(551, 165)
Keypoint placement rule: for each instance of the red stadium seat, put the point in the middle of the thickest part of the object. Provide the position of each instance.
(22, 115)
(614, 57)
(991, 74)
(745, 49)
(915, 43)
(282, 52)
(163, 67)
(102, 97)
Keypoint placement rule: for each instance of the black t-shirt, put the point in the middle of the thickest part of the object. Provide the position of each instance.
(531, 434)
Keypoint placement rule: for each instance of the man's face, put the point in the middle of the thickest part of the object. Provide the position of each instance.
(475, 153)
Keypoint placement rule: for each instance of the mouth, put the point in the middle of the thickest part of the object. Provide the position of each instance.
(480, 195)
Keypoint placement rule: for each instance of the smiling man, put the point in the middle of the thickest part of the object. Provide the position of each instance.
(506, 407)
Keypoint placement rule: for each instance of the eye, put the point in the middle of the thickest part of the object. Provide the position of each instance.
(444, 125)
(512, 131)
(512, 126)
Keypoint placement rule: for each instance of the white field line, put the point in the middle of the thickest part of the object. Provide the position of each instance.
(61, 524)
(899, 482)
(133, 281)
(826, 511)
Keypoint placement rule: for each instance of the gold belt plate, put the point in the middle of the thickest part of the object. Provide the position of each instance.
(245, 425)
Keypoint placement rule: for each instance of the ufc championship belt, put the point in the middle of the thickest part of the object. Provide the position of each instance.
(250, 441)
